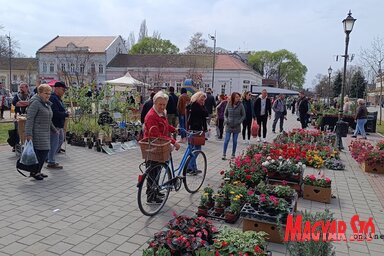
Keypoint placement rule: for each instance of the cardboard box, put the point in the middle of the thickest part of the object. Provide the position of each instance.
(377, 168)
(271, 228)
(318, 194)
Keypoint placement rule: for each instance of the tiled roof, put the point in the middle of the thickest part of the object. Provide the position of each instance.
(96, 44)
(19, 63)
(223, 61)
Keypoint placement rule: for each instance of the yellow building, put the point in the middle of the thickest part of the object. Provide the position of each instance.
(22, 70)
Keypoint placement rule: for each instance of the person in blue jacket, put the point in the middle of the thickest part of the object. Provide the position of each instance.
(58, 119)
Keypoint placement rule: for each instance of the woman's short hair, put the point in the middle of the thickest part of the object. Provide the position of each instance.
(346, 98)
(160, 95)
(245, 94)
(197, 96)
(44, 88)
(360, 101)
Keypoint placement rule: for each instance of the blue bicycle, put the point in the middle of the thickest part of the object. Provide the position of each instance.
(159, 178)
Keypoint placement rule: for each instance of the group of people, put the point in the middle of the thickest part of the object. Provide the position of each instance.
(45, 117)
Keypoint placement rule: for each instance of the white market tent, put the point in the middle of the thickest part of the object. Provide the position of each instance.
(125, 82)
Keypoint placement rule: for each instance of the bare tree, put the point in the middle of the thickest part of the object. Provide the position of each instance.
(143, 31)
(156, 34)
(372, 58)
(197, 44)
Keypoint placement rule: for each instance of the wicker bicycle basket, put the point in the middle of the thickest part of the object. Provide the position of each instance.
(155, 149)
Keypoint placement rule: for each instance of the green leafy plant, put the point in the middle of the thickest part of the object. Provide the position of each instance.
(219, 201)
(283, 191)
(234, 241)
(313, 248)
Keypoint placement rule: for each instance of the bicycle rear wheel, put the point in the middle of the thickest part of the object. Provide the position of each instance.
(154, 189)
(195, 173)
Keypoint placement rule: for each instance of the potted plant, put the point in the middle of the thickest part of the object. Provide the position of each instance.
(285, 192)
(107, 133)
(232, 212)
(334, 164)
(209, 193)
(202, 209)
(273, 206)
(219, 204)
(226, 192)
(317, 189)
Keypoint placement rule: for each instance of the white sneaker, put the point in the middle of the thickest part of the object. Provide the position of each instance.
(264, 141)
(258, 139)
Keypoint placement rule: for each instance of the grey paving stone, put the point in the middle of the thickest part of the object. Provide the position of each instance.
(83, 247)
(106, 247)
(30, 239)
(13, 248)
(8, 239)
(96, 239)
(60, 248)
(128, 247)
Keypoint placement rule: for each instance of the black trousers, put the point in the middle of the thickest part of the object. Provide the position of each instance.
(247, 126)
(221, 128)
(41, 156)
(262, 120)
(304, 121)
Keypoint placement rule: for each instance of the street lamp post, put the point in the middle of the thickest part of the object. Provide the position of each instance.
(214, 57)
(381, 90)
(348, 26)
(10, 60)
(329, 82)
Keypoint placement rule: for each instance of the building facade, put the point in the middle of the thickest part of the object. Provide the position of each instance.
(230, 74)
(78, 60)
(22, 70)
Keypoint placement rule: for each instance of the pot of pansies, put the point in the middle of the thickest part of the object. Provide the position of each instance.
(208, 191)
(232, 212)
(202, 209)
(283, 169)
(219, 204)
(334, 164)
(317, 188)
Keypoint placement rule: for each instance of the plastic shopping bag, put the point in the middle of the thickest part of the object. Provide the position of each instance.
(254, 128)
(28, 156)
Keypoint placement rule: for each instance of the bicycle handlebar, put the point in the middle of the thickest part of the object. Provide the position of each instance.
(190, 133)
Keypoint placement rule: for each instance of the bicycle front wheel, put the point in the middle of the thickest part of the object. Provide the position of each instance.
(194, 171)
(154, 189)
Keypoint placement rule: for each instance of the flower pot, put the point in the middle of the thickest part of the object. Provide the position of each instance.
(209, 205)
(317, 194)
(202, 211)
(227, 202)
(230, 217)
(219, 210)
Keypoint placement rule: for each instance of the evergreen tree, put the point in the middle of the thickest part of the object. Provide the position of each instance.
(358, 85)
(337, 84)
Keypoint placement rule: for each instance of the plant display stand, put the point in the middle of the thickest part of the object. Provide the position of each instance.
(213, 215)
(317, 194)
(376, 168)
(269, 227)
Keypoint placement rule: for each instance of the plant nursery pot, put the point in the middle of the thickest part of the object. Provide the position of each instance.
(219, 210)
(227, 202)
(317, 194)
(375, 168)
(230, 217)
(202, 211)
(209, 205)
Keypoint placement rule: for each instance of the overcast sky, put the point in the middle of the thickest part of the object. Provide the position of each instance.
(311, 29)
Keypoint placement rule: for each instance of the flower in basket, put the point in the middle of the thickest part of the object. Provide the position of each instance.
(322, 182)
(380, 145)
(334, 164)
(359, 149)
(374, 157)
(283, 191)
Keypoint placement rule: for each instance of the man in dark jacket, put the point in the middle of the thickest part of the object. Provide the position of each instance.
(58, 119)
(172, 108)
(302, 107)
(210, 105)
(20, 101)
(263, 112)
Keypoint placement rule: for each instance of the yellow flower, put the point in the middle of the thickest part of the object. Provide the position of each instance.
(232, 192)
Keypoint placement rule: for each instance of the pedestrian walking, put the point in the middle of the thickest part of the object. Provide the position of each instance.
(172, 108)
(220, 108)
(39, 125)
(262, 111)
(234, 115)
(280, 113)
(210, 105)
(182, 103)
(58, 119)
(248, 106)
(361, 119)
(303, 108)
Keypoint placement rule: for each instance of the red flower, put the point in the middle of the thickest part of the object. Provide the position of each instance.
(217, 253)
(222, 172)
(258, 249)
(248, 177)
(231, 173)
(224, 243)
(284, 182)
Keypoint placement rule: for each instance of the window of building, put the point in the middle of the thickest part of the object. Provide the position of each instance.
(245, 87)
(22, 78)
(101, 68)
(62, 66)
(51, 68)
(14, 78)
(72, 69)
(223, 88)
(93, 68)
(178, 87)
(82, 68)
(44, 67)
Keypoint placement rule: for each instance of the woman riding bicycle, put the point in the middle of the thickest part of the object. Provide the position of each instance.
(197, 121)
(156, 126)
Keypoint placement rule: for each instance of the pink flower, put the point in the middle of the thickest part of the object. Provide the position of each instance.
(199, 234)
(328, 180)
(250, 192)
(284, 182)
(312, 177)
(262, 198)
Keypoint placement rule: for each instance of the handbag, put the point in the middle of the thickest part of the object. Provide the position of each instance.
(27, 168)
(254, 128)
(197, 139)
